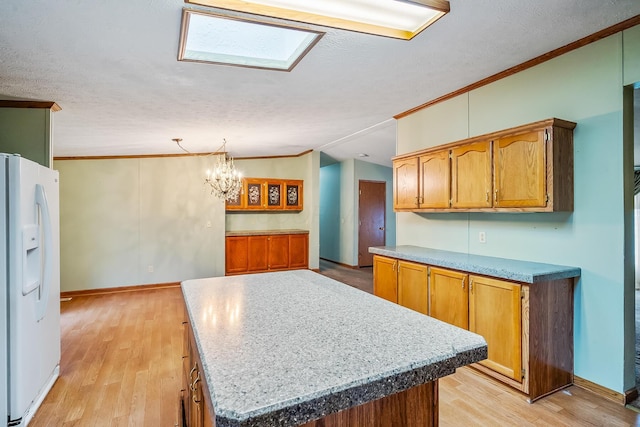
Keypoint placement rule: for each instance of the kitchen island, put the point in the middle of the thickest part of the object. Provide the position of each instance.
(290, 348)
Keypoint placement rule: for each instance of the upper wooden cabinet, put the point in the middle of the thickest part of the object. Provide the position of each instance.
(405, 184)
(524, 169)
(435, 169)
(471, 175)
(520, 170)
(268, 194)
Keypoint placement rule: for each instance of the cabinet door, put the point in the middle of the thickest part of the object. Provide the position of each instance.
(495, 313)
(237, 203)
(298, 251)
(449, 297)
(236, 254)
(385, 278)
(293, 195)
(520, 170)
(274, 196)
(255, 197)
(258, 249)
(405, 183)
(471, 176)
(278, 251)
(412, 286)
(435, 176)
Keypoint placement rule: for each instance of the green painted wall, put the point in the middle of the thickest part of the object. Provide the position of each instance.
(305, 167)
(27, 131)
(120, 216)
(585, 86)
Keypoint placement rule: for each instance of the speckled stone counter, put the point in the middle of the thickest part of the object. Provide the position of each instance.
(281, 349)
(263, 232)
(503, 268)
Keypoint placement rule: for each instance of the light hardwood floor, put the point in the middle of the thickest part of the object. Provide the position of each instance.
(121, 358)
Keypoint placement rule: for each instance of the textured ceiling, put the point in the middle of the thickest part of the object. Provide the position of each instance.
(111, 66)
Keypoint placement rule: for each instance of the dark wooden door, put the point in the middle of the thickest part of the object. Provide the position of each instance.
(371, 215)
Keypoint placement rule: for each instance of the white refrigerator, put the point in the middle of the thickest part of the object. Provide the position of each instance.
(30, 267)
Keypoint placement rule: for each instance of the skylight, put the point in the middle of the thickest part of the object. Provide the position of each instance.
(401, 19)
(219, 39)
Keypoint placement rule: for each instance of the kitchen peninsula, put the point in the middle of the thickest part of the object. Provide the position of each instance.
(297, 348)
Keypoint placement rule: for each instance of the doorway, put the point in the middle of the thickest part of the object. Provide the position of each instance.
(371, 219)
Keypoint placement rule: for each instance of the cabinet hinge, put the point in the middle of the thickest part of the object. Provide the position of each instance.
(523, 373)
(450, 155)
(547, 137)
(521, 293)
(547, 201)
(450, 202)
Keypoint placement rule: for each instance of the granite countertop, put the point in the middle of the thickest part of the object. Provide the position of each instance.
(263, 232)
(281, 349)
(503, 268)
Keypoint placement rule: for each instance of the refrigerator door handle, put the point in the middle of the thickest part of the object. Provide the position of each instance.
(45, 283)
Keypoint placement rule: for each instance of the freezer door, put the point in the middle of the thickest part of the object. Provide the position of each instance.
(33, 285)
(4, 238)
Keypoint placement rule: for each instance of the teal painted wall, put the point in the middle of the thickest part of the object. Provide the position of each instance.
(339, 208)
(330, 212)
(585, 86)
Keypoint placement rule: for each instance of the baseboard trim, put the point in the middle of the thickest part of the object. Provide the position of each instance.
(607, 393)
(134, 288)
(353, 267)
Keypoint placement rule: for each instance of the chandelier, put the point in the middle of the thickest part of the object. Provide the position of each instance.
(225, 181)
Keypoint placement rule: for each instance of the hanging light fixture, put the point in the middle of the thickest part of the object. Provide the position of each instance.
(225, 181)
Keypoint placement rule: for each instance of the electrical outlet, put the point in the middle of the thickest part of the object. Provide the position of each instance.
(150, 269)
(482, 237)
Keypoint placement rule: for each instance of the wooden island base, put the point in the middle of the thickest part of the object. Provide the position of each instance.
(417, 406)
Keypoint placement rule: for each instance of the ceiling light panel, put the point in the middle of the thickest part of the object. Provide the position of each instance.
(392, 18)
(218, 39)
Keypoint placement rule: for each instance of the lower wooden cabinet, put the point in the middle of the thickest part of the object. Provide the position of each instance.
(402, 282)
(528, 327)
(412, 286)
(449, 296)
(495, 312)
(385, 274)
(195, 407)
(266, 252)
